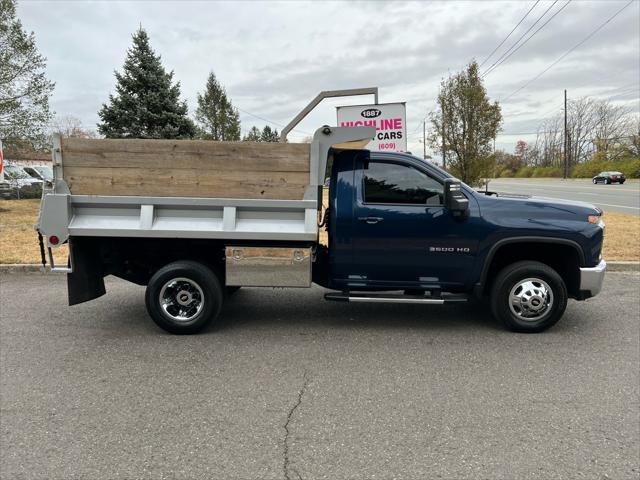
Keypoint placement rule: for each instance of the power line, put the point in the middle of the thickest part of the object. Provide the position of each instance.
(521, 37)
(622, 95)
(527, 133)
(568, 52)
(507, 37)
(529, 38)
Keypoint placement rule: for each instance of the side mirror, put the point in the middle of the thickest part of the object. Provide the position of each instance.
(454, 199)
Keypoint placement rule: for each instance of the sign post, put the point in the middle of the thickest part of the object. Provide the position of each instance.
(389, 119)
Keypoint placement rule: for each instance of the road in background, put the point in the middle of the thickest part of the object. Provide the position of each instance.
(289, 386)
(616, 198)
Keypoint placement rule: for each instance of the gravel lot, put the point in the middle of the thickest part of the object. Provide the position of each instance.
(289, 386)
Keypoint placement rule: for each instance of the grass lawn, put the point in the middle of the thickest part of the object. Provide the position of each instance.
(19, 241)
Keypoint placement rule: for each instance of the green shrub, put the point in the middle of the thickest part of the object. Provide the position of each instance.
(629, 166)
(524, 172)
(547, 172)
(28, 191)
(503, 172)
(589, 169)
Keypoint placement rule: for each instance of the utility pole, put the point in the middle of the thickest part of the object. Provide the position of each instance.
(424, 139)
(444, 154)
(566, 143)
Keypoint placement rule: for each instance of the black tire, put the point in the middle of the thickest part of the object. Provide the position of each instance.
(595, 182)
(622, 182)
(509, 278)
(608, 181)
(199, 286)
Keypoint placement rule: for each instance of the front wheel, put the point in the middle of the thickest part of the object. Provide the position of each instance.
(594, 181)
(608, 181)
(184, 297)
(528, 297)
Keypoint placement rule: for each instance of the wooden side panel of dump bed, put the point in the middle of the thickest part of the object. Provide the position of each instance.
(185, 168)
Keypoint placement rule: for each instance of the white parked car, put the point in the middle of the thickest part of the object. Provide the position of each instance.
(18, 177)
(43, 173)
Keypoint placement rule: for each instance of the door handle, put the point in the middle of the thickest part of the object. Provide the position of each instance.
(371, 220)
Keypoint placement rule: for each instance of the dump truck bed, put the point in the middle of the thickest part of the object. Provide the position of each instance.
(189, 189)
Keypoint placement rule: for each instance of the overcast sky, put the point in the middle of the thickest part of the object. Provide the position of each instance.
(274, 57)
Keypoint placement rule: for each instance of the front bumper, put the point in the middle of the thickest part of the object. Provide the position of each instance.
(591, 279)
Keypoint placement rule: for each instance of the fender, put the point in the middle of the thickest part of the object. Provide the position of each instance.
(527, 239)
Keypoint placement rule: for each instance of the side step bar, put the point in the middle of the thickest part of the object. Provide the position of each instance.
(394, 298)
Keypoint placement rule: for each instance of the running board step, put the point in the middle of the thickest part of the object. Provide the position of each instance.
(398, 298)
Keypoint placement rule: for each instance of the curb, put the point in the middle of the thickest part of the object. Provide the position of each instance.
(623, 266)
(21, 268)
(632, 266)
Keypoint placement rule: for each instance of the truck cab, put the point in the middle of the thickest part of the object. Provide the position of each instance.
(396, 223)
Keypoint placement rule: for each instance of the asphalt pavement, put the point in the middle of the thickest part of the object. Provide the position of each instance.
(289, 386)
(623, 198)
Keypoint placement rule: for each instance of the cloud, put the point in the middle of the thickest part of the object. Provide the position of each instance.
(274, 57)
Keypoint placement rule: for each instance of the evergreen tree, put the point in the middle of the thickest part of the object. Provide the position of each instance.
(24, 88)
(253, 135)
(216, 117)
(269, 135)
(147, 104)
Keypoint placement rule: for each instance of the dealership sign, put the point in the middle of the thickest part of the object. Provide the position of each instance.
(390, 120)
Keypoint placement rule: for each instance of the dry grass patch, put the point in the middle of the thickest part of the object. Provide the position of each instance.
(19, 241)
(621, 237)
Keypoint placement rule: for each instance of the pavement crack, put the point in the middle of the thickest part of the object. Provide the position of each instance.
(285, 453)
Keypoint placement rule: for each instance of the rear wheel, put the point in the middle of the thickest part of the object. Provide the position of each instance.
(594, 181)
(528, 297)
(608, 181)
(184, 297)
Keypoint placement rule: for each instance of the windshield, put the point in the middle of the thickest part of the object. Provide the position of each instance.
(445, 173)
(15, 172)
(46, 172)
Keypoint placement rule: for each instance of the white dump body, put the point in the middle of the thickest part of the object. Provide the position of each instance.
(63, 214)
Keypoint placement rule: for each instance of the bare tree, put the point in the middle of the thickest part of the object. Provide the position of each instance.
(613, 125)
(548, 145)
(593, 126)
(71, 127)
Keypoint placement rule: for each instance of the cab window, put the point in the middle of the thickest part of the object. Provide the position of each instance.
(388, 182)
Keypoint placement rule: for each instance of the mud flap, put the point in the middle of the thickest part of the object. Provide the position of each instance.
(87, 280)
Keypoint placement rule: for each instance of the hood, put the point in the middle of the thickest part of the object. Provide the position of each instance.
(544, 205)
(561, 202)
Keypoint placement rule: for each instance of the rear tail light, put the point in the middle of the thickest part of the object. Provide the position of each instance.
(54, 240)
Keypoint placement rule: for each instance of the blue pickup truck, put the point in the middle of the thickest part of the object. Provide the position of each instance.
(398, 229)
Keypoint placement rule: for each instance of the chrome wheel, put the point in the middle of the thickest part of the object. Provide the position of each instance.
(181, 299)
(531, 299)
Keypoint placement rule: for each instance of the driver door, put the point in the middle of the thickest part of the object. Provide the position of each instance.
(402, 231)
